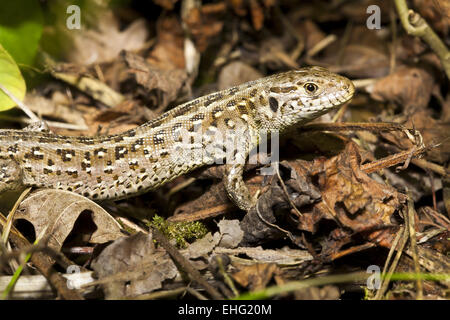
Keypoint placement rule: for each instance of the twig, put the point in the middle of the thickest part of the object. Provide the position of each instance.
(187, 267)
(20, 104)
(387, 277)
(415, 25)
(413, 241)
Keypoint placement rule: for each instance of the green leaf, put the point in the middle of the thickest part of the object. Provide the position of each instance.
(11, 79)
(21, 25)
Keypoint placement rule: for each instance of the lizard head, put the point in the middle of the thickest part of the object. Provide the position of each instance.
(298, 96)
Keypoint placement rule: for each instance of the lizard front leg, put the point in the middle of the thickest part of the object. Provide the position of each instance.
(234, 169)
(236, 188)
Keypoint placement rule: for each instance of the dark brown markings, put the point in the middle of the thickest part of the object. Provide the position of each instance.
(118, 138)
(231, 104)
(273, 104)
(130, 133)
(50, 162)
(199, 116)
(66, 154)
(181, 110)
(87, 155)
(217, 110)
(99, 179)
(97, 151)
(213, 98)
(120, 152)
(48, 171)
(158, 121)
(242, 109)
(58, 172)
(139, 142)
(164, 154)
(85, 140)
(13, 148)
(85, 165)
(32, 154)
(74, 173)
(253, 93)
(232, 91)
(158, 138)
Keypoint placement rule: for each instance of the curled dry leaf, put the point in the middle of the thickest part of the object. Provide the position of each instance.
(230, 234)
(105, 43)
(132, 266)
(334, 189)
(354, 199)
(256, 276)
(164, 86)
(56, 211)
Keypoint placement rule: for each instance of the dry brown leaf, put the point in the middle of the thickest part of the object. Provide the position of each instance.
(409, 87)
(132, 266)
(230, 234)
(58, 107)
(105, 43)
(256, 276)
(436, 13)
(164, 86)
(168, 51)
(56, 211)
(354, 199)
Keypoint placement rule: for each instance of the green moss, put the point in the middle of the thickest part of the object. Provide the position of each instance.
(181, 232)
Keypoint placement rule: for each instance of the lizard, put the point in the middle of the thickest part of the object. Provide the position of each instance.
(148, 156)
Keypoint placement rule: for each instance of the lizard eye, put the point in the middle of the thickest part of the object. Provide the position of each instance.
(310, 87)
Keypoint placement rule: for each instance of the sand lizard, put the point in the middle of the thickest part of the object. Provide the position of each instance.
(144, 158)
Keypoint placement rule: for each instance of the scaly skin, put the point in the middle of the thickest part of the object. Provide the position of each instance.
(189, 136)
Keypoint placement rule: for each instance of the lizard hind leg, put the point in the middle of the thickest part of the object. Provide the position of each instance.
(10, 175)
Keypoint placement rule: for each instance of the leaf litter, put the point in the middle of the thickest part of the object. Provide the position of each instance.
(324, 207)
